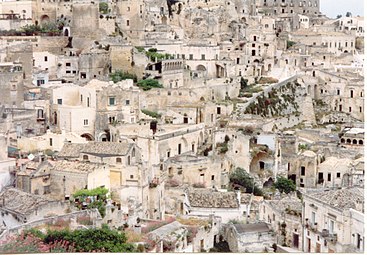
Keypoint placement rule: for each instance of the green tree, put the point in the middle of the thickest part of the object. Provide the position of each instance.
(242, 178)
(103, 8)
(285, 185)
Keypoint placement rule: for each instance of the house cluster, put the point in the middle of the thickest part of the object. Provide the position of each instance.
(166, 103)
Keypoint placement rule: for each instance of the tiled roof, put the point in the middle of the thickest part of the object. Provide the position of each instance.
(289, 202)
(21, 202)
(249, 228)
(210, 199)
(73, 150)
(346, 198)
(75, 166)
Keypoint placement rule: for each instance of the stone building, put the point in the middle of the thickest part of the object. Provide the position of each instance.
(284, 215)
(49, 141)
(226, 205)
(34, 178)
(333, 221)
(73, 108)
(115, 104)
(18, 207)
(256, 237)
(12, 84)
(274, 7)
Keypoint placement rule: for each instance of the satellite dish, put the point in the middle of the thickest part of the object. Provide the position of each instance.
(31, 156)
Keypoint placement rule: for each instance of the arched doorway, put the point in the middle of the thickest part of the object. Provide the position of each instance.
(87, 136)
(201, 68)
(45, 19)
(66, 32)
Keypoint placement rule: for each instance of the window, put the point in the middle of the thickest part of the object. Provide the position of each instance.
(85, 157)
(329, 177)
(50, 141)
(218, 110)
(59, 101)
(202, 56)
(313, 217)
(40, 82)
(86, 122)
(331, 226)
(351, 93)
(338, 92)
(111, 101)
(111, 119)
(179, 149)
(127, 102)
(118, 160)
(191, 56)
(303, 171)
(127, 22)
(46, 59)
(350, 109)
(337, 175)
(131, 176)
(212, 177)
(68, 64)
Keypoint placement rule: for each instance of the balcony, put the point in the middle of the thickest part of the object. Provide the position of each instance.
(330, 237)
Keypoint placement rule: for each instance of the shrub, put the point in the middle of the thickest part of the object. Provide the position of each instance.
(148, 84)
(151, 113)
(119, 75)
(103, 7)
(285, 185)
(241, 178)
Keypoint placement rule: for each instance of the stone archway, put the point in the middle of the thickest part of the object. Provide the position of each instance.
(45, 19)
(88, 136)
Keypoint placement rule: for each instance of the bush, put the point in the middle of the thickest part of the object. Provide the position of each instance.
(151, 113)
(103, 8)
(148, 84)
(241, 178)
(285, 185)
(120, 75)
(290, 44)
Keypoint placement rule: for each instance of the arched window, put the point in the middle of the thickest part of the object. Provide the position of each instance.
(360, 142)
(355, 141)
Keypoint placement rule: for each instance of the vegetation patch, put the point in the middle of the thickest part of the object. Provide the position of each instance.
(119, 75)
(151, 113)
(148, 84)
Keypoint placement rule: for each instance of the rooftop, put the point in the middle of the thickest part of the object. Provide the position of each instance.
(210, 199)
(250, 228)
(344, 199)
(75, 166)
(167, 230)
(21, 202)
(73, 150)
(288, 202)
